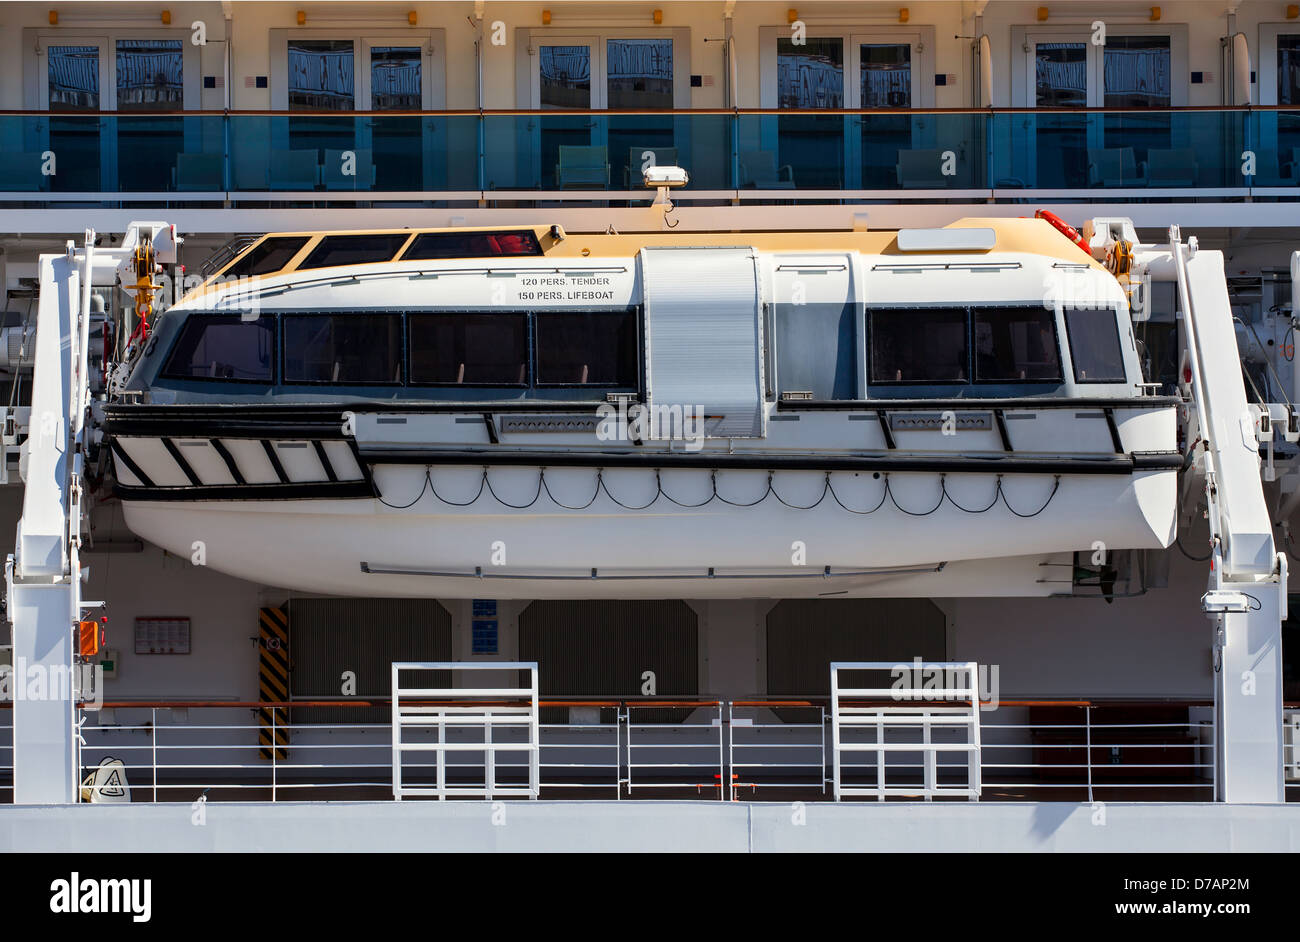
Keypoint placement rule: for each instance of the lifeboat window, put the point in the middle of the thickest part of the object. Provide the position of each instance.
(468, 349)
(224, 347)
(364, 349)
(586, 348)
(433, 245)
(1094, 345)
(1016, 345)
(354, 250)
(919, 345)
(269, 255)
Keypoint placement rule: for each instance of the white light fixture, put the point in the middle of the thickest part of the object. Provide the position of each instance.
(1221, 601)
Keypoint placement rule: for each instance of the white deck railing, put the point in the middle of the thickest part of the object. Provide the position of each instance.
(758, 749)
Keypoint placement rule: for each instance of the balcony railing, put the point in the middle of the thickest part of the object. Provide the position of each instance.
(757, 749)
(252, 157)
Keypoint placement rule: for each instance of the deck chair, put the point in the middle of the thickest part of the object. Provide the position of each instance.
(582, 167)
(198, 172)
(922, 169)
(758, 169)
(1114, 166)
(21, 170)
(332, 170)
(663, 157)
(1172, 167)
(249, 169)
(294, 170)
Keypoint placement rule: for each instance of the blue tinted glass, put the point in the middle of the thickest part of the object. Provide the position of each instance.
(395, 78)
(564, 73)
(640, 73)
(810, 75)
(321, 76)
(149, 75)
(74, 78)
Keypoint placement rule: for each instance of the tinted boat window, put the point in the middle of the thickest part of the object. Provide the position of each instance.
(224, 347)
(468, 349)
(431, 245)
(353, 250)
(343, 348)
(1016, 345)
(1094, 345)
(269, 255)
(586, 349)
(918, 345)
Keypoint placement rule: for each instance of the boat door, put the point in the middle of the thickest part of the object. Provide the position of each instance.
(704, 342)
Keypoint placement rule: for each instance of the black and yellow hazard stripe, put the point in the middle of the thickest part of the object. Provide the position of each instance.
(273, 680)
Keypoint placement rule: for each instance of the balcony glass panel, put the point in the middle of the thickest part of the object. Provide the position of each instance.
(604, 151)
(1091, 150)
(308, 157)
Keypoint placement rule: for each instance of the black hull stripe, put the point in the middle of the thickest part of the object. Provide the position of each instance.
(229, 459)
(120, 454)
(325, 461)
(316, 490)
(349, 490)
(275, 461)
(955, 464)
(181, 462)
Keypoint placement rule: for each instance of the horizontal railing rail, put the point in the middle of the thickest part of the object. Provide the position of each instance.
(733, 156)
(760, 748)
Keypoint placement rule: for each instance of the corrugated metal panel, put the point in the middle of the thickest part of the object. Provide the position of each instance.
(601, 648)
(805, 635)
(704, 335)
(330, 636)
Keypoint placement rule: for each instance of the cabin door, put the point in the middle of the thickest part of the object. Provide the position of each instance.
(1086, 68)
(882, 81)
(75, 85)
(1278, 142)
(404, 152)
(565, 80)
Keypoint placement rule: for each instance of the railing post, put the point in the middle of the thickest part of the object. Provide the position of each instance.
(153, 749)
(731, 753)
(823, 743)
(625, 715)
(725, 790)
(1087, 732)
(489, 757)
(274, 750)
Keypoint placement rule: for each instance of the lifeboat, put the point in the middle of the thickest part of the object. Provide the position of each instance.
(420, 413)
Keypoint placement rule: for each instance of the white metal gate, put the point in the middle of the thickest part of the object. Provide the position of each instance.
(454, 724)
(928, 709)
